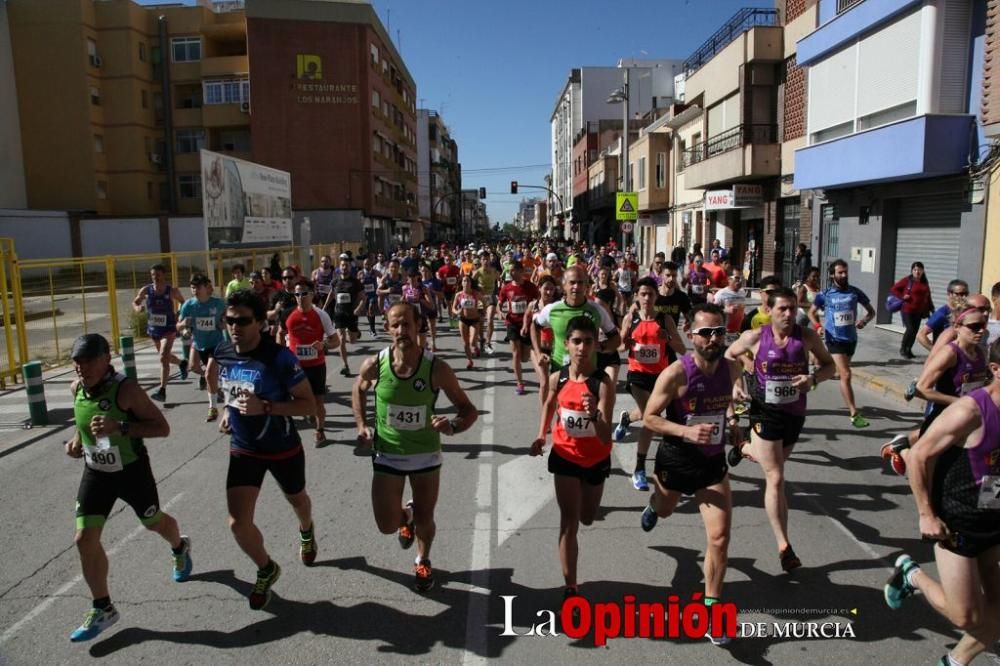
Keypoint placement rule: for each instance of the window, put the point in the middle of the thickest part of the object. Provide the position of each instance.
(385, 66)
(189, 96)
(102, 189)
(149, 190)
(661, 170)
(98, 143)
(374, 54)
(92, 53)
(642, 173)
(142, 54)
(376, 99)
(385, 108)
(377, 144)
(145, 98)
(190, 140)
(228, 91)
(186, 49)
(234, 141)
(95, 96)
(189, 186)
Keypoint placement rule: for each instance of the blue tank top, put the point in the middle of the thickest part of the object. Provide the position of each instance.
(705, 401)
(160, 311)
(774, 368)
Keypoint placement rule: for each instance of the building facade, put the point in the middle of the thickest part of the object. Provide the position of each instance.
(900, 80)
(439, 175)
(12, 190)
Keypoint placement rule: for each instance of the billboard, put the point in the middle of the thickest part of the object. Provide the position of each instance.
(244, 202)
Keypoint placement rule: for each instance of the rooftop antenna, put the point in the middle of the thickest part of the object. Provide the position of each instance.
(399, 42)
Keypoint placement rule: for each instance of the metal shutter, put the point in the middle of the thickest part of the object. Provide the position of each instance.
(928, 231)
(888, 64)
(832, 90)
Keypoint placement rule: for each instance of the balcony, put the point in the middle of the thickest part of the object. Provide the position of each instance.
(920, 147)
(843, 21)
(225, 66)
(743, 20)
(745, 152)
(224, 115)
(844, 5)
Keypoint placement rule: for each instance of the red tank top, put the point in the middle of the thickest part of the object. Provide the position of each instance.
(649, 352)
(574, 436)
(305, 328)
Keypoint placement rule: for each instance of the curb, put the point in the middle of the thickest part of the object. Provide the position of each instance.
(886, 388)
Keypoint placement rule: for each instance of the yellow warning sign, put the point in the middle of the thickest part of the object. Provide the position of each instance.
(627, 206)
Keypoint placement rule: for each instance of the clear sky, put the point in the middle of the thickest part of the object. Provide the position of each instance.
(493, 68)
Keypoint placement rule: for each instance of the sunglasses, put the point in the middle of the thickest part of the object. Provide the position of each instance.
(238, 321)
(709, 331)
(300, 294)
(960, 294)
(975, 327)
(287, 277)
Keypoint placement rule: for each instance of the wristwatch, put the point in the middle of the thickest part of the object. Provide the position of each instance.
(266, 405)
(123, 428)
(454, 423)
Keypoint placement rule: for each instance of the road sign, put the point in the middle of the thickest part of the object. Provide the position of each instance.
(626, 206)
(627, 227)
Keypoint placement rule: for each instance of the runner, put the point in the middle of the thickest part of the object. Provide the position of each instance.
(449, 275)
(466, 307)
(433, 288)
(696, 393)
(310, 332)
(653, 343)
(698, 280)
(557, 315)
(239, 281)
(345, 301)
(540, 357)
(671, 300)
(407, 435)
(625, 277)
(583, 399)
(113, 416)
(282, 304)
(515, 296)
(955, 478)
(265, 387)
(390, 290)
(486, 276)
(202, 315)
(159, 299)
(324, 277)
(940, 319)
(370, 278)
(419, 298)
(733, 304)
(840, 303)
(777, 389)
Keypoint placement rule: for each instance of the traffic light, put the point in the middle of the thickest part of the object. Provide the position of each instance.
(513, 187)
(482, 192)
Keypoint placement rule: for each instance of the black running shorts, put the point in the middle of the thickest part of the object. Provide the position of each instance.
(134, 485)
(290, 473)
(683, 468)
(593, 476)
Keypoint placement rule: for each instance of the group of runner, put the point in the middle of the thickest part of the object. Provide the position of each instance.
(696, 361)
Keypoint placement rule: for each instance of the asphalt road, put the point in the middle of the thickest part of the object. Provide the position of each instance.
(497, 530)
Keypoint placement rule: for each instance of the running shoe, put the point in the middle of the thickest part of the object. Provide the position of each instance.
(648, 519)
(260, 596)
(741, 408)
(911, 391)
(321, 439)
(572, 592)
(893, 452)
(184, 369)
(859, 421)
(307, 547)
(789, 560)
(898, 587)
(469, 365)
(182, 560)
(639, 481)
(423, 576)
(519, 389)
(720, 640)
(160, 394)
(94, 622)
(213, 413)
(406, 533)
(622, 428)
(345, 371)
(202, 383)
(489, 348)
(735, 455)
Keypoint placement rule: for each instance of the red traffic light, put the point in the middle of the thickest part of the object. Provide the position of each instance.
(513, 187)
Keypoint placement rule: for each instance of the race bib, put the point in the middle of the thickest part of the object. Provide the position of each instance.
(646, 354)
(394, 298)
(158, 320)
(969, 387)
(780, 392)
(451, 280)
(843, 318)
(697, 289)
(518, 307)
(370, 288)
(236, 390)
(467, 303)
(343, 299)
(407, 417)
(103, 457)
(205, 324)
(577, 424)
(715, 420)
(737, 302)
(306, 352)
(989, 493)
(625, 278)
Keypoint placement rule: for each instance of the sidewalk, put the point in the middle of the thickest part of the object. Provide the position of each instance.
(878, 367)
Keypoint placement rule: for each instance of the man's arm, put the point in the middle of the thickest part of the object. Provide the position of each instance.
(147, 419)
(139, 299)
(827, 368)
(610, 330)
(935, 366)
(743, 344)
(668, 384)
(367, 377)
(444, 378)
(548, 411)
(675, 342)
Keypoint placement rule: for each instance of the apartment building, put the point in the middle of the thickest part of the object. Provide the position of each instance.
(894, 139)
(117, 99)
(591, 143)
(438, 176)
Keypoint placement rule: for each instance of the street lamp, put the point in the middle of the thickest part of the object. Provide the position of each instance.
(620, 96)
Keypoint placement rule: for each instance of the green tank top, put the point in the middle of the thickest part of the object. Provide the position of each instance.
(404, 408)
(118, 450)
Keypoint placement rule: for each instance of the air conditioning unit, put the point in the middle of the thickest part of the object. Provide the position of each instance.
(96, 61)
(245, 107)
(154, 158)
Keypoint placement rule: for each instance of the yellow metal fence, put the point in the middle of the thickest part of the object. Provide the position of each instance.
(48, 303)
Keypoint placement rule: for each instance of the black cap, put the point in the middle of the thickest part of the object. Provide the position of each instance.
(90, 345)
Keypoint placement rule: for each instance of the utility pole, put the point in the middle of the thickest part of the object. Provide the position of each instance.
(626, 184)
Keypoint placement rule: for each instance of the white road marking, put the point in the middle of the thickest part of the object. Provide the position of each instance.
(51, 599)
(478, 614)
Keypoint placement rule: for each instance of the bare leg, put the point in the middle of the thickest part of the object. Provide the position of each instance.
(93, 561)
(242, 502)
(425, 496)
(715, 503)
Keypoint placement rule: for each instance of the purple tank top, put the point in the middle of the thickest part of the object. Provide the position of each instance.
(969, 373)
(705, 401)
(774, 367)
(984, 457)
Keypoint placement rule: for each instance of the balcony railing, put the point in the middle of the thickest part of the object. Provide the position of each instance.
(844, 5)
(737, 137)
(743, 20)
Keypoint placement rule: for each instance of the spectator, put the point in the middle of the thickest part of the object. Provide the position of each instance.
(803, 263)
(915, 293)
(679, 255)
